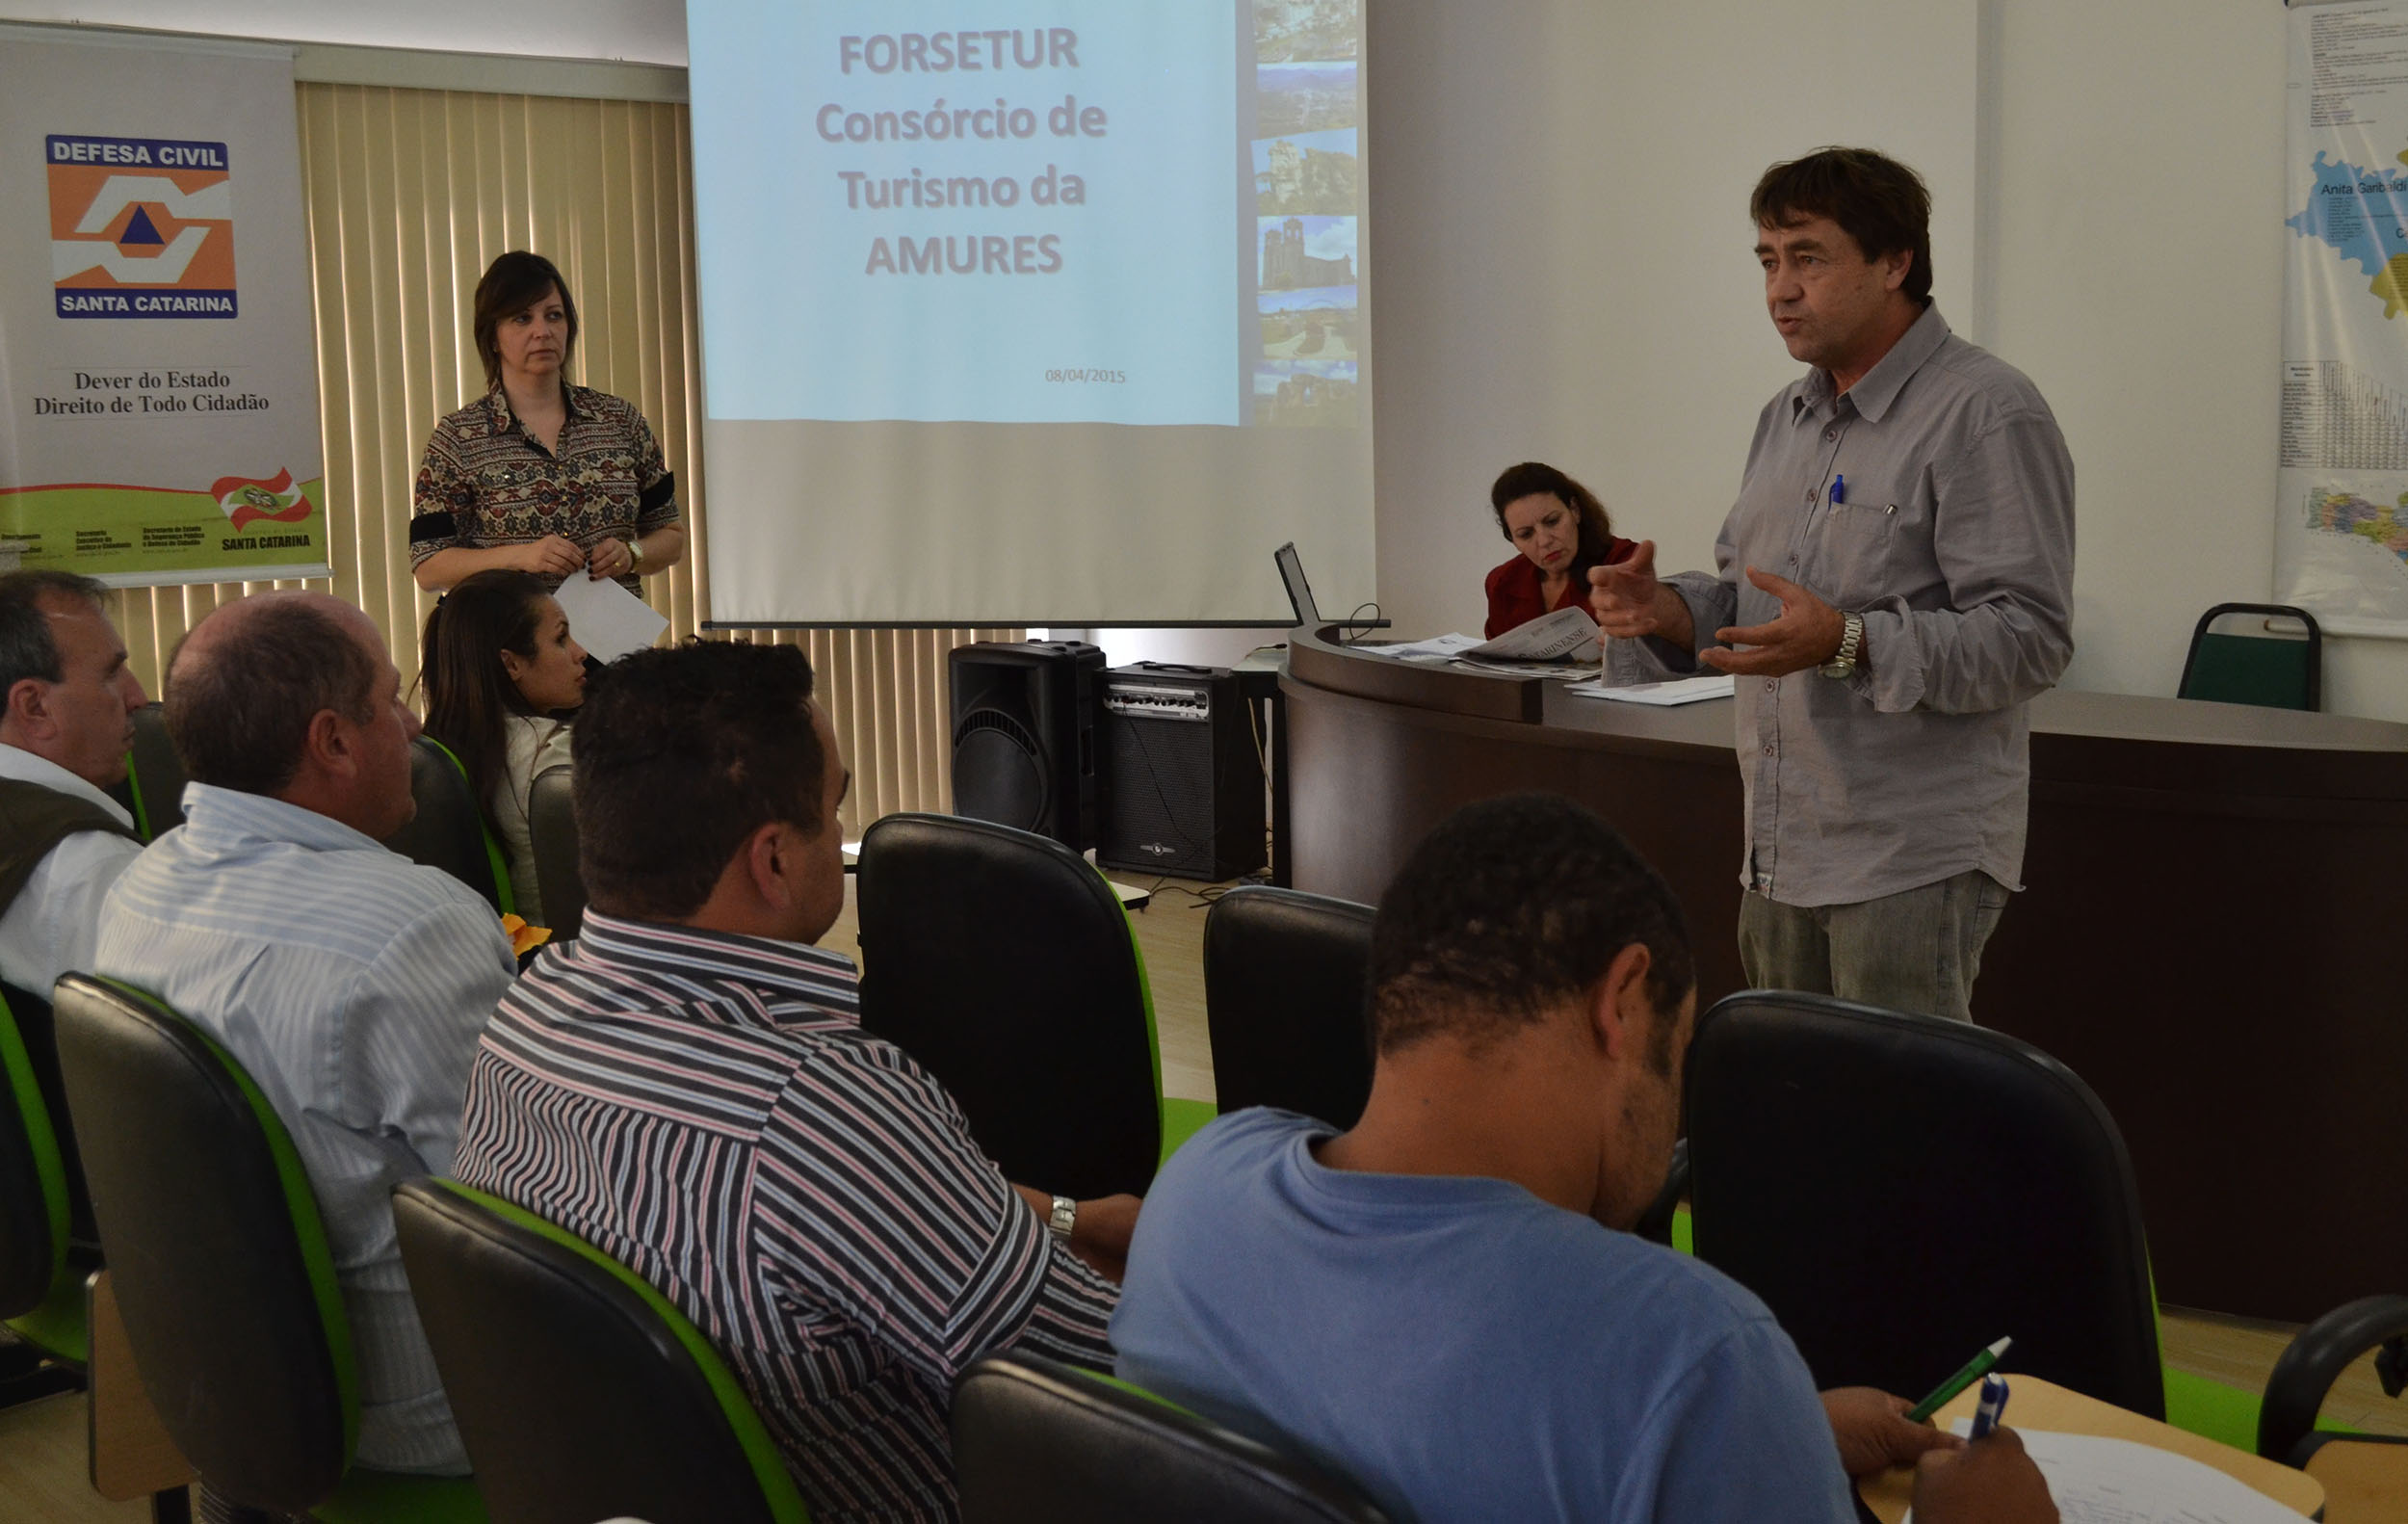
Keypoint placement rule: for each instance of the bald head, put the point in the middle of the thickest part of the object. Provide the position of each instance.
(246, 683)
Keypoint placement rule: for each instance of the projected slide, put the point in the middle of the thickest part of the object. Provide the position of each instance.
(1031, 313)
(1054, 211)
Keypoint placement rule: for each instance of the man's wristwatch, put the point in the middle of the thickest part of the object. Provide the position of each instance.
(1842, 662)
(1065, 1218)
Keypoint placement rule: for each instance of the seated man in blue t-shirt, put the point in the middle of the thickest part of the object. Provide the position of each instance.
(1442, 1304)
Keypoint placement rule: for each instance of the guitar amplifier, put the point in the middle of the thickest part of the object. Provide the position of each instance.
(1184, 773)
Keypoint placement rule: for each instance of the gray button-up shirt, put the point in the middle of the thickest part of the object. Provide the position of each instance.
(1954, 537)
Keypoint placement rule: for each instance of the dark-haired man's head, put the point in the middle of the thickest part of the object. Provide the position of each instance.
(293, 695)
(1531, 985)
(1845, 238)
(66, 695)
(707, 789)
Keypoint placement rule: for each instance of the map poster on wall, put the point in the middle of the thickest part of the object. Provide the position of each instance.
(158, 380)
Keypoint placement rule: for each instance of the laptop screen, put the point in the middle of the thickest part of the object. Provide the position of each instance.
(1299, 590)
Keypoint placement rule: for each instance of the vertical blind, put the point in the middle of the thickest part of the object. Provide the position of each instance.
(408, 194)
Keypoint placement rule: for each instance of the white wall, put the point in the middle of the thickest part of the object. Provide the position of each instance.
(1560, 193)
(635, 31)
(1559, 216)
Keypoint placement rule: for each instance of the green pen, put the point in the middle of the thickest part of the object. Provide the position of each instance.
(1974, 1369)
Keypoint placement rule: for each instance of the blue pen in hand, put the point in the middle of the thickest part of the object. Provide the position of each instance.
(1992, 1407)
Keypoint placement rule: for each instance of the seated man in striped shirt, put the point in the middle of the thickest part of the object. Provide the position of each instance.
(351, 981)
(687, 1086)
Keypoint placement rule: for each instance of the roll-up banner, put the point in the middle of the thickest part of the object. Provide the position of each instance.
(157, 371)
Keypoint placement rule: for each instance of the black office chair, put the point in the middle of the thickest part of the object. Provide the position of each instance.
(1003, 962)
(153, 790)
(41, 1276)
(2319, 1353)
(220, 1266)
(552, 828)
(1284, 995)
(449, 831)
(1039, 1442)
(2267, 667)
(581, 1392)
(1901, 1190)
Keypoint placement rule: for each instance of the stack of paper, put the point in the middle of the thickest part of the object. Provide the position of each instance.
(1437, 649)
(1664, 695)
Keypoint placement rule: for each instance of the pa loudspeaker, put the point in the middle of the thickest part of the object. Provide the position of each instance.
(1183, 773)
(1024, 736)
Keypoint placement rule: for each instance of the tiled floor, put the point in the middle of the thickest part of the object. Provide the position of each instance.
(42, 1446)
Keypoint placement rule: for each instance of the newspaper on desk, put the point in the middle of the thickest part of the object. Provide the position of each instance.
(1548, 647)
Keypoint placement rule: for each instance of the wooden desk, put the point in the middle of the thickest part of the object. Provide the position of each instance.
(2362, 1484)
(2039, 1404)
(2200, 936)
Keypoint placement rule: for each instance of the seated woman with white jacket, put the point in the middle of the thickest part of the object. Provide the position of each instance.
(500, 670)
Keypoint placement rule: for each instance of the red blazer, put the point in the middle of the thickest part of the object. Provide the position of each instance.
(1513, 596)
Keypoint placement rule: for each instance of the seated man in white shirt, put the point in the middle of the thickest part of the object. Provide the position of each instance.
(67, 705)
(70, 701)
(351, 981)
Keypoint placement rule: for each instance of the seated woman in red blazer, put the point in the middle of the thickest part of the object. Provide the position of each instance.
(1560, 530)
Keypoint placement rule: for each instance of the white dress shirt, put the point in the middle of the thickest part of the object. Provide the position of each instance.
(354, 984)
(50, 927)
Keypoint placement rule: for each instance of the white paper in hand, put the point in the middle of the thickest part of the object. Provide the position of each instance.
(606, 618)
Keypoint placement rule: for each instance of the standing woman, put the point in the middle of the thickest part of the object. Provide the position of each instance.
(498, 665)
(1559, 529)
(538, 475)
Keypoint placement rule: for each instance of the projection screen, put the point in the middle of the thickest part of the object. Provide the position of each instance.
(1037, 312)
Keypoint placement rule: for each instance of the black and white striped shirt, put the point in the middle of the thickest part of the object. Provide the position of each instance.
(705, 1108)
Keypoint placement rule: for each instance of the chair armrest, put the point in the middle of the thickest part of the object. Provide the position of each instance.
(2317, 1356)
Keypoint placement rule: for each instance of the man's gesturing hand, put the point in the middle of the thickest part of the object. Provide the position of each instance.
(1629, 602)
(1807, 634)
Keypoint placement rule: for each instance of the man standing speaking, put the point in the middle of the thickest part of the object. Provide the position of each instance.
(1892, 588)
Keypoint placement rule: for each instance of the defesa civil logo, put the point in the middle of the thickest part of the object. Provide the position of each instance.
(140, 228)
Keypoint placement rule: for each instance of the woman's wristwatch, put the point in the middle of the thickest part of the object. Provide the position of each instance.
(635, 553)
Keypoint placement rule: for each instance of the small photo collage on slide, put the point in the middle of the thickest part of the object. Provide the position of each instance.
(1308, 188)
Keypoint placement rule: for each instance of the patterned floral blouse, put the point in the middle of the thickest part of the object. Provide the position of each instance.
(484, 481)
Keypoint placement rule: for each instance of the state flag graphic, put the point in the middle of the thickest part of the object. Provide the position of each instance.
(245, 500)
(140, 228)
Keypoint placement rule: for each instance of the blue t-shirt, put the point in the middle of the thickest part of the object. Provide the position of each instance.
(1461, 1349)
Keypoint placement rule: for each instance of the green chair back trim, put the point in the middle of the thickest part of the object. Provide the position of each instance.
(1182, 1119)
(40, 1137)
(59, 1326)
(1176, 1120)
(768, 1467)
(300, 1199)
(495, 861)
(380, 1497)
(1133, 1389)
(133, 787)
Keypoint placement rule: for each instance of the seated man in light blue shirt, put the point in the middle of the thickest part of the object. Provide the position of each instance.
(1443, 1303)
(352, 982)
